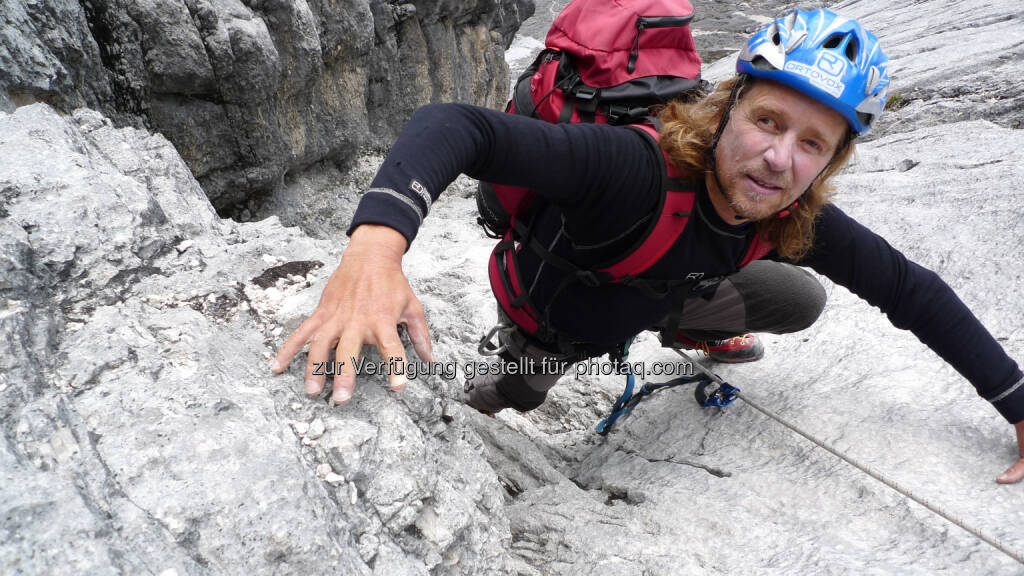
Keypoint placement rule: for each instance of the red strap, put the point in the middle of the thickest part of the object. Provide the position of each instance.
(758, 249)
(667, 229)
(671, 170)
(524, 317)
(646, 128)
(513, 198)
(665, 233)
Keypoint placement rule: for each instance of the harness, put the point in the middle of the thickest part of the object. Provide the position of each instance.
(673, 214)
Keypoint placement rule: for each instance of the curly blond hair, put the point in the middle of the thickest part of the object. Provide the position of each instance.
(686, 135)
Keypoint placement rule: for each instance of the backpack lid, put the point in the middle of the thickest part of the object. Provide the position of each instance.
(601, 35)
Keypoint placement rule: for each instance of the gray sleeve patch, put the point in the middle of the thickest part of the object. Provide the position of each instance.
(405, 200)
(421, 190)
(1008, 392)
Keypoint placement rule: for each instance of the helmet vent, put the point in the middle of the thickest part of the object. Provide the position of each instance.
(837, 40)
(761, 63)
(790, 21)
(851, 50)
(796, 40)
(874, 77)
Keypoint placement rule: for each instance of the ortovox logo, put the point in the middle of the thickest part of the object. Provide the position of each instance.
(826, 81)
(831, 63)
(694, 275)
(707, 284)
(421, 190)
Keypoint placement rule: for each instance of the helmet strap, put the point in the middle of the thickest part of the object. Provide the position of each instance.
(730, 103)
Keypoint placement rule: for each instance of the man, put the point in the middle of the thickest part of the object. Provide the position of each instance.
(758, 153)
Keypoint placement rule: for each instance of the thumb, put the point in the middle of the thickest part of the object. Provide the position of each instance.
(1013, 474)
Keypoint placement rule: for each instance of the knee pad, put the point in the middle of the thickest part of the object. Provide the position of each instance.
(779, 298)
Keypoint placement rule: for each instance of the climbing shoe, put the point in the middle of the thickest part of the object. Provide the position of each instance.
(744, 348)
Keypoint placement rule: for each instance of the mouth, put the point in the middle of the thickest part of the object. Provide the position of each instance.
(763, 187)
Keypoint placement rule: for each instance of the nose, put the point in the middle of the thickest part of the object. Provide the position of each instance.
(779, 155)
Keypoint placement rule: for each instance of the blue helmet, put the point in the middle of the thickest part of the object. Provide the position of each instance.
(825, 56)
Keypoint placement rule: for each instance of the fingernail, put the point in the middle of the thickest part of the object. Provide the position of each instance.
(275, 366)
(1003, 477)
(399, 383)
(312, 387)
(341, 396)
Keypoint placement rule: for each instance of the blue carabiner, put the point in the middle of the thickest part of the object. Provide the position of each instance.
(721, 397)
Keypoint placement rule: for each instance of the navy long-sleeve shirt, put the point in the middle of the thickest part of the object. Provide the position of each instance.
(603, 185)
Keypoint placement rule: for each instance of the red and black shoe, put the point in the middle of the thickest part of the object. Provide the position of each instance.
(743, 348)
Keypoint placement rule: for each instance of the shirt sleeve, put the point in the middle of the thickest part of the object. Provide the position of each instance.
(916, 299)
(605, 176)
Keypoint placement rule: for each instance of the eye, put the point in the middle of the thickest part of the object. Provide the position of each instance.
(766, 122)
(814, 145)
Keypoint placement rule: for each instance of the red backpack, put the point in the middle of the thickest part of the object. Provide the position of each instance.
(606, 62)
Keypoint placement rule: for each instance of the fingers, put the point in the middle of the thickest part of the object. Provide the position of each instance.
(1013, 474)
(293, 344)
(316, 366)
(361, 304)
(393, 353)
(416, 325)
(349, 347)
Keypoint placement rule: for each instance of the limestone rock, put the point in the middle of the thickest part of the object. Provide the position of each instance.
(248, 92)
(145, 432)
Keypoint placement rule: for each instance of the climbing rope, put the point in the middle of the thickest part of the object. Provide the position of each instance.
(995, 543)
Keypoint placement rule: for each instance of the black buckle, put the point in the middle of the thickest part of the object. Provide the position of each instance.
(588, 278)
(622, 114)
(616, 112)
(586, 93)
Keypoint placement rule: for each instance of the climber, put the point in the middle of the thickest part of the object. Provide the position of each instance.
(757, 154)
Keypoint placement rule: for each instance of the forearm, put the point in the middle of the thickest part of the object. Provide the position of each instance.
(916, 299)
(558, 162)
(936, 315)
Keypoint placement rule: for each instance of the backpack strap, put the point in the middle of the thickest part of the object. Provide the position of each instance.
(507, 286)
(673, 214)
(759, 248)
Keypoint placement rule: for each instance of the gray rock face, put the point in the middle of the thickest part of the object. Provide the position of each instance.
(248, 91)
(142, 433)
(48, 54)
(969, 71)
(142, 430)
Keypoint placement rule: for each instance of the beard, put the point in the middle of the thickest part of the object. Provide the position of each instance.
(751, 197)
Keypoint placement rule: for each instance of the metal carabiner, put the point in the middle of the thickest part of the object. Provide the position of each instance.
(486, 347)
(710, 393)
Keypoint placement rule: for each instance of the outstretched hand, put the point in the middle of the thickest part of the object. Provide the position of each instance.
(363, 303)
(1015, 473)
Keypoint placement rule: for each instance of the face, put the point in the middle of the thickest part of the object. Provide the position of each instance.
(776, 143)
